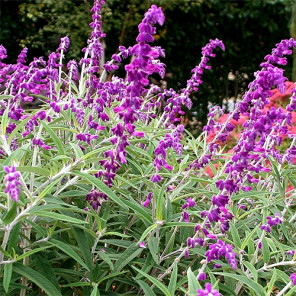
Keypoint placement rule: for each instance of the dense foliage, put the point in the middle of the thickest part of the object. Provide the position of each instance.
(105, 193)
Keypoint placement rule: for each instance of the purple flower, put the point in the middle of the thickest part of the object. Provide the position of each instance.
(276, 220)
(186, 253)
(189, 203)
(148, 200)
(22, 56)
(156, 178)
(11, 182)
(65, 42)
(202, 277)
(142, 245)
(292, 252)
(95, 198)
(185, 217)
(293, 278)
(39, 142)
(208, 291)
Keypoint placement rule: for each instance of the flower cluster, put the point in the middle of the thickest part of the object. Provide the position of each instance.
(11, 182)
(220, 249)
(208, 291)
(272, 222)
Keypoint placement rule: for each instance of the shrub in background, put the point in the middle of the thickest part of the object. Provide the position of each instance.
(105, 193)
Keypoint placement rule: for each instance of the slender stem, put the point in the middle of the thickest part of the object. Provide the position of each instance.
(5, 241)
(284, 289)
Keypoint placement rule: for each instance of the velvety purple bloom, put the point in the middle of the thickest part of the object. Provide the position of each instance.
(220, 200)
(266, 227)
(186, 253)
(292, 252)
(148, 200)
(142, 245)
(39, 142)
(189, 203)
(293, 278)
(276, 220)
(202, 277)
(208, 291)
(3, 53)
(12, 183)
(185, 217)
(156, 178)
(86, 137)
(95, 198)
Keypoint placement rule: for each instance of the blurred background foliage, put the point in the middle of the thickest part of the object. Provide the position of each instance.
(249, 30)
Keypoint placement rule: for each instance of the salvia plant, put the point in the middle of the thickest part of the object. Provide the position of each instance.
(105, 192)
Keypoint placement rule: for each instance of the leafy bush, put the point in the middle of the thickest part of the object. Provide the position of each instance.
(105, 193)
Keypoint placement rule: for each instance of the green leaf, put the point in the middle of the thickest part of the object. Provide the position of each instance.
(58, 143)
(173, 279)
(17, 154)
(95, 291)
(61, 157)
(40, 280)
(265, 251)
(83, 244)
(159, 196)
(250, 283)
(193, 283)
(235, 236)
(10, 214)
(4, 121)
(146, 232)
(110, 276)
(153, 280)
(4, 97)
(43, 266)
(271, 282)
(106, 258)
(249, 236)
(252, 269)
(48, 188)
(102, 187)
(61, 217)
(146, 289)
(179, 224)
(116, 234)
(78, 152)
(153, 245)
(68, 250)
(127, 256)
(139, 210)
(7, 276)
(37, 170)
(29, 253)
(292, 291)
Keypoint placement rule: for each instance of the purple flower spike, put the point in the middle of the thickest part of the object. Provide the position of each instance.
(208, 291)
(65, 42)
(11, 182)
